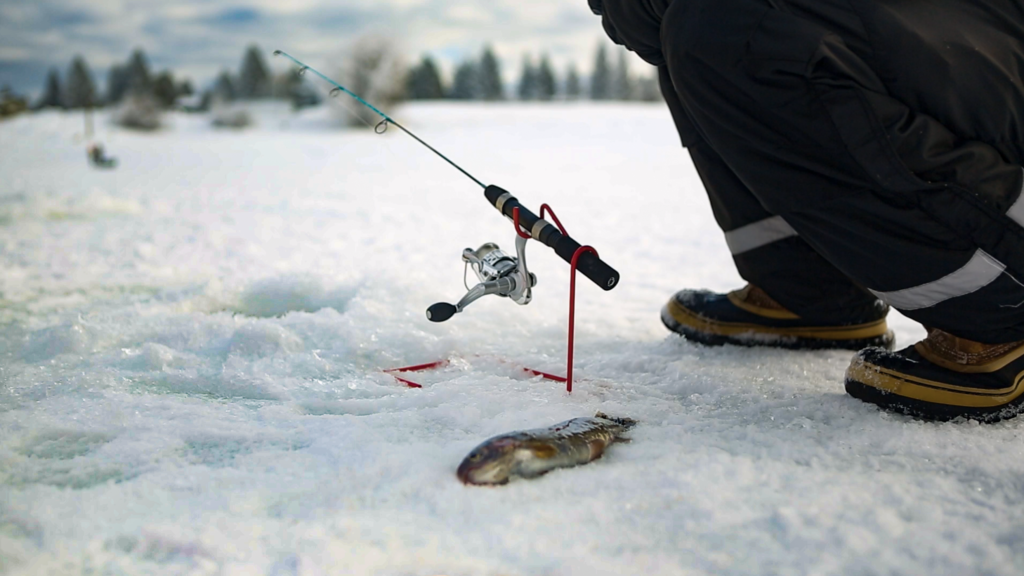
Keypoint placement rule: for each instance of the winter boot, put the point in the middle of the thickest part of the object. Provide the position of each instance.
(749, 317)
(942, 377)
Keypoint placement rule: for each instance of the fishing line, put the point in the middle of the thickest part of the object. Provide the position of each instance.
(382, 126)
(347, 107)
(581, 258)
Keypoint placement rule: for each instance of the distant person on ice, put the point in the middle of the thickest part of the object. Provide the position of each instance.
(858, 154)
(98, 157)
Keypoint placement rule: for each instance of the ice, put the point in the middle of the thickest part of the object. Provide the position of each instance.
(193, 348)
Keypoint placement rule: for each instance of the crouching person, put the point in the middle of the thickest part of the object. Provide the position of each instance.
(857, 156)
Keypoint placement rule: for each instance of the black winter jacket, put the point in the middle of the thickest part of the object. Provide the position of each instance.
(918, 91)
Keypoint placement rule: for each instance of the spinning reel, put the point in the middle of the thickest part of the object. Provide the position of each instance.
(499, 274)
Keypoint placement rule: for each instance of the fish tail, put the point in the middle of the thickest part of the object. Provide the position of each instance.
(626, 423)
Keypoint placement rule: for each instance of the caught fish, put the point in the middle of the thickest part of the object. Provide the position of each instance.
(531, 453)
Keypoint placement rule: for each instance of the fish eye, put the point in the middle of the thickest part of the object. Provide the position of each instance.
(475, 457)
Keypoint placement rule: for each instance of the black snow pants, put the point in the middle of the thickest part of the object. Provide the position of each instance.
(855, 150)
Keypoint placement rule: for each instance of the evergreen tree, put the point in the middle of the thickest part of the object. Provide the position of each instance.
(139, 81)
(117, 84)
(284, 85)
(528, 81)
(600, 81)
(224, 88)
(545, 79)
(648, 90)
(164, 90)
(11, 103)
(572, 84)
(425, 81)
(466, 85)
(52, 96)
(253, 79)
(79, 90)
(491, 87)
(622, 84)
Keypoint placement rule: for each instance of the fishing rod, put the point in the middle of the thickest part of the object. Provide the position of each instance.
(503, 279)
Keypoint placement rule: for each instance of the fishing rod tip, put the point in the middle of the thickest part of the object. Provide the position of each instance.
(278, 52)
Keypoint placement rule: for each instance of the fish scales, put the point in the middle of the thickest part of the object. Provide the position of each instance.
(531, 453)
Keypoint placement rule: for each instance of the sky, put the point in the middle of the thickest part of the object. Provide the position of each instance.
(199, 38)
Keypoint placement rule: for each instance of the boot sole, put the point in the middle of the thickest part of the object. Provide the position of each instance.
(931, 400)
(709, 332)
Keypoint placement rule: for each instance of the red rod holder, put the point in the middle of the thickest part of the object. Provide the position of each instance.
(572, 284)
(572, 312)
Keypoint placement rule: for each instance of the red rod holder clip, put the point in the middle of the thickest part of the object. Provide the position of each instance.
(572, 284)
(545, 207)
(515, 222)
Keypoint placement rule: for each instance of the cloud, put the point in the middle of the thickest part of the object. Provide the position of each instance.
(238, 16)
(198, 38)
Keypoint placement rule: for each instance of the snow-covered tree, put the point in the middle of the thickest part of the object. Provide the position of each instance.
(139, 111)
(373, 69)
(545, 79)
(465, 86)
(52, 97)
(528, 80)
(491, 86)
(425, 81)
(254, 78)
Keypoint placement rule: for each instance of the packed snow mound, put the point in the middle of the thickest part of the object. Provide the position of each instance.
(279, 296)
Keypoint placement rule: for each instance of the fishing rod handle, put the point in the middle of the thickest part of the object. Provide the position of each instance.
(589, 264)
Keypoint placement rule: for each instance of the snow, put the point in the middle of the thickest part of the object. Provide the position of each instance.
(192, 346)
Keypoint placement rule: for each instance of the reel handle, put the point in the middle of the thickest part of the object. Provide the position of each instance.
(441, 311)
(589, 265)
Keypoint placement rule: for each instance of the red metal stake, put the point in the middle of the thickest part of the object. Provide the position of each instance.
(572, 310)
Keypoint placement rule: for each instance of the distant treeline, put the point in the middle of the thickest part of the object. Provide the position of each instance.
(481, 79)
(473, 79)
(134, 79)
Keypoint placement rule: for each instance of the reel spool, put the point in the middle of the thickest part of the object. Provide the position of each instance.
(499, 274)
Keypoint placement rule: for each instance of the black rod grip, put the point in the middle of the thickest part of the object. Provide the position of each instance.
(588, 264)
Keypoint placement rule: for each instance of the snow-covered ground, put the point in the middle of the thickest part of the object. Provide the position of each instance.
(191, 350)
